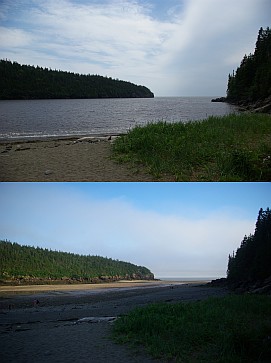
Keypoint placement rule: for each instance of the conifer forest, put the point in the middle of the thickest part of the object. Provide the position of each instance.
(252, 79)
(29, 82)
(37, 265)
(252, 260)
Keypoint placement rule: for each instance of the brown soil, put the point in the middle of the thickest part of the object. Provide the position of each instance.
(65, 160)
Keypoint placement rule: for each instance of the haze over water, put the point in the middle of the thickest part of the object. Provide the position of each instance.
(43, 118)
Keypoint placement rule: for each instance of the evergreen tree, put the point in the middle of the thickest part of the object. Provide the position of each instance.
(29, 262)
(252, 260)
(29, 82)
(252, 79)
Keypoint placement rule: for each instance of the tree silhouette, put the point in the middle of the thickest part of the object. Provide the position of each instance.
(252, 79)
(252, 260)
(29, 82)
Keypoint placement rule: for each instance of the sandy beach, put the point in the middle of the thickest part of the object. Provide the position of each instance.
(74, 325)
(68, 159)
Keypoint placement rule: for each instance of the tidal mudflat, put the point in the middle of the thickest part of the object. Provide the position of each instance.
(46, 326)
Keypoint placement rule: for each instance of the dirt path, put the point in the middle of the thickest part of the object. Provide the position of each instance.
(65, 160)
(52, 332)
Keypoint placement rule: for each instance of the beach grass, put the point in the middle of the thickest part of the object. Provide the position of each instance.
(235, 147)
(228, 329)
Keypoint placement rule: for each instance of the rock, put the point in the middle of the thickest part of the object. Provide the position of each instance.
(259, 106)
(262, 290)
(48, 172)
(218, 282)
(20, 148)
(267, 281)
(219, 99)
(264, 109)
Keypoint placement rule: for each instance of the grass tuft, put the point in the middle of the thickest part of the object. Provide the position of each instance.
(218, 330)
(228, 148)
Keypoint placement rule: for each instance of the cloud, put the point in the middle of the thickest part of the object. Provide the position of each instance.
(187, 50)
(169, 244)
(14, 38)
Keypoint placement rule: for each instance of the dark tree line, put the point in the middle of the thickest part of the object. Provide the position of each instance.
(24, 261)
(252, 79)
(252, 260)
(29, 82)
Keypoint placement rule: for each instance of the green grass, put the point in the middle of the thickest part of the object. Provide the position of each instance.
(229, 329)
(229, 148)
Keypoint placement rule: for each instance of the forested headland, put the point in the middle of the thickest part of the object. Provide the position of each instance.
(251, 263)
(33, 265)
(250, 85)
(249, 267)
(29, 82)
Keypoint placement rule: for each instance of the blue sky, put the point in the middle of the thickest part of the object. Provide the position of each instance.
(174, 47)
(175, 229)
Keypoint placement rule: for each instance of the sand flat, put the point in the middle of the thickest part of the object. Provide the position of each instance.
(67, 159)
(32, 289)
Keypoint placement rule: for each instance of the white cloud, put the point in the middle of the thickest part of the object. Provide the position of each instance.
(14, 38)
(166, 243)
(190, 52)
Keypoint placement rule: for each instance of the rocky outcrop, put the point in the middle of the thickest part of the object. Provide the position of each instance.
(259, 106)
(252, 287)
(29, 280)
(219, 99)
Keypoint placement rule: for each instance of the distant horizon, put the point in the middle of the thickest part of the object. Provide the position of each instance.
(181, 276)
(125, 80)
(173, 229)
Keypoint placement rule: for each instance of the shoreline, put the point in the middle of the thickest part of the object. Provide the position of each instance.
(33, 289)
(72, 137)
(121, 284)
(80, 159)
(73, 327)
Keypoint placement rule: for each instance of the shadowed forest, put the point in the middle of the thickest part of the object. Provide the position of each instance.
(252, 79)
(29, 82)
(251, 262)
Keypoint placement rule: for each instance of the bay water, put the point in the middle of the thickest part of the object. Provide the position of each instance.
(30, 119)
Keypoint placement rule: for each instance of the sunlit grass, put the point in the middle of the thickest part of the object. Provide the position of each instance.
(218, 330)
(229, 148)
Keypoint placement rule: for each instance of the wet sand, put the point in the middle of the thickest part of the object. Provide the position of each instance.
(68, 159)
(9, 290)
(52, 331)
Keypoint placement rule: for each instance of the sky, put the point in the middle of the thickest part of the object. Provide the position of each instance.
(174, 229)
(174, 47)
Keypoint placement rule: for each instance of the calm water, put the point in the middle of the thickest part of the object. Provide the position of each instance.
(42, 118)
(187, 279)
